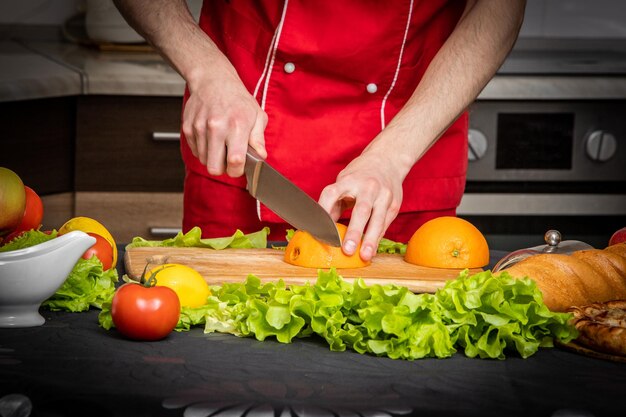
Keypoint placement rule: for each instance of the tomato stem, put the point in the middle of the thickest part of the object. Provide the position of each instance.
(151, 281)
(142, 279)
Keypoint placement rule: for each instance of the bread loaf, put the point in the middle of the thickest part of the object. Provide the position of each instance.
(619, 249)
(584, 277)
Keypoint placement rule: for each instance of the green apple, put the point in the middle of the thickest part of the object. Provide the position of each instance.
(12, 200)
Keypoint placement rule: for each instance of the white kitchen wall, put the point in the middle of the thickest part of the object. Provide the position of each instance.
(544, 18)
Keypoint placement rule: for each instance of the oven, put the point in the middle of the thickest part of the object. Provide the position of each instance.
(551, 157)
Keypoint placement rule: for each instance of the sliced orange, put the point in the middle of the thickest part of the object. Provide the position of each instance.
(448, 242)
(304, 250)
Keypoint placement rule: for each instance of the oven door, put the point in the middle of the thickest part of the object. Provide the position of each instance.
(535, 166)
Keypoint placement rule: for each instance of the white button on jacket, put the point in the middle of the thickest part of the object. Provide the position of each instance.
(372, 88)
(289, 67)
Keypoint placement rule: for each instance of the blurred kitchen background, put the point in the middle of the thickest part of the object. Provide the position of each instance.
(90, 119)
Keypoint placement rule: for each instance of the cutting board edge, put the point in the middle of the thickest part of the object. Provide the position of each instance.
(414, 283)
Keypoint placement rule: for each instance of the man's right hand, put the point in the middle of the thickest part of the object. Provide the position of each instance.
(220, 120)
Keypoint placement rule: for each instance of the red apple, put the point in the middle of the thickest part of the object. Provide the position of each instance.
(12, 200)
(618, 237)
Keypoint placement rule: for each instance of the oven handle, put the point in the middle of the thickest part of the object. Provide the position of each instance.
(542, 204)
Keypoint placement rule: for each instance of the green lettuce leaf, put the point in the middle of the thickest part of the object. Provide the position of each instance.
(87, 285)
(193, 238)
(28, 239)
(389, 246)
(190, 317)
(483, 315)
(487, 314)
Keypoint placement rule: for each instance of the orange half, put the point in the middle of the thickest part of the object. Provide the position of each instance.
(306, 251)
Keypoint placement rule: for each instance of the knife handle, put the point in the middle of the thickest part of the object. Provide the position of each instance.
(253, 155)
(252, 169)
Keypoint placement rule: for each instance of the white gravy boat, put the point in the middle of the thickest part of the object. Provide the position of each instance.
(30, 276)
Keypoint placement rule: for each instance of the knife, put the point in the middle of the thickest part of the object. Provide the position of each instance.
(288, 201)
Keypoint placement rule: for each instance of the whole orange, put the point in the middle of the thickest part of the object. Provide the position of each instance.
(448, 242)
(306, 251)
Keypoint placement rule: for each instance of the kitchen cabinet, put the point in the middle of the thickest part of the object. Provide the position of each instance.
(151, 215)
(38, 144)
(128, 172)
(91, 130)
(112, 158)
(128, 144)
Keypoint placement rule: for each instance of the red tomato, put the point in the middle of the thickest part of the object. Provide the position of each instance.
(145, 313)
(12, 236)
(102, 249)
(33, 213)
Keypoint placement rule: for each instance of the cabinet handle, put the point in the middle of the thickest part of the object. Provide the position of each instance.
(164, 231)
(166, 136)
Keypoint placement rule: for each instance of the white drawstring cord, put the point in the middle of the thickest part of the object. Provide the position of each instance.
(395, 76)
(269, 73)
(269, 63)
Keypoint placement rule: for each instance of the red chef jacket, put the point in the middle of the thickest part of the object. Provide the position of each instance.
(330, 75)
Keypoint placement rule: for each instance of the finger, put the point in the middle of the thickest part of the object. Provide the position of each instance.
(375, 230)
(328, 200)
(236, 146)
(333, 201)
(187, 128)
(390, 216)
(199, 135)
(257, 135)
(216, 148)
(360, 216)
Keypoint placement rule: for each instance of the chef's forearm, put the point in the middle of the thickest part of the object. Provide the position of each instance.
(169, 26)
(464, 65)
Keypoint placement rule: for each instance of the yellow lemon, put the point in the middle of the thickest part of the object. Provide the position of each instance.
(89, 225)
(187, 283)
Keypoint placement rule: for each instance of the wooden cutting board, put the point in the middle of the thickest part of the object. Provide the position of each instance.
(234, 265)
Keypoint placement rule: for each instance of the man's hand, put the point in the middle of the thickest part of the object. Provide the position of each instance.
(372, 187)
(372, 183)
(219, 121)
(221, 117)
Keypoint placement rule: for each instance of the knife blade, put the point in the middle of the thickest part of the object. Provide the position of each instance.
(287, 200)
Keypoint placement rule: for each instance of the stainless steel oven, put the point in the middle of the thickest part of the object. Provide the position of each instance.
(545, 141)
(547, 147)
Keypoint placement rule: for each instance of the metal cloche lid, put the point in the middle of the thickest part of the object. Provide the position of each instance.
(553, 245)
